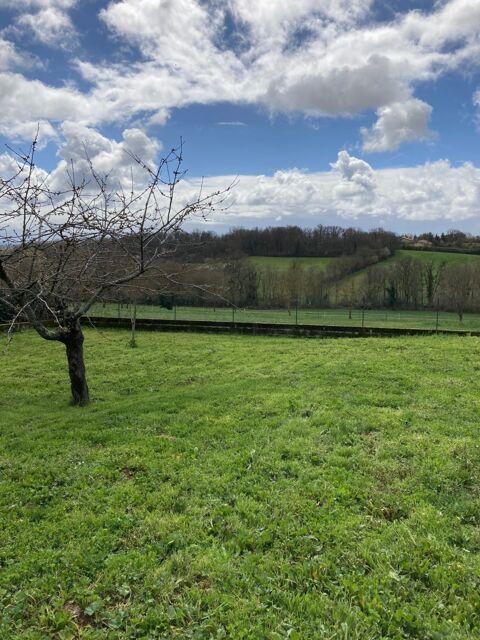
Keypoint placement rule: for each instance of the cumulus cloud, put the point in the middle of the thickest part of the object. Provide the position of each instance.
(42, 131)
(9, 56)
(336, 91)
(344, 64)
(354, 170)
(50, 26)
(47, 20)
(314, 57)
(274, 22)
(30, 101)
(318, 57)
(82, 145)
(353, 191)
(13, 58)
(398, 123)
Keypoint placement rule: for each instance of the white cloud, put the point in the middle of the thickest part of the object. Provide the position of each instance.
(82, 145)
(343, 66)
(317, 57)
(51, 26)
(398, 123)
(23, 100)
(336, 90)
(16, 131)
(354, 170)
(48, 21)
(9, 57)
(353, 191)
(26, 5)
(453, 21)
(357, 185)
(273, 22)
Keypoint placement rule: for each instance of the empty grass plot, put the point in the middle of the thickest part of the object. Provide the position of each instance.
(237, 487)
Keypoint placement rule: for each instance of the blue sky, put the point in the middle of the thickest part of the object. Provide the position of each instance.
(356, 112)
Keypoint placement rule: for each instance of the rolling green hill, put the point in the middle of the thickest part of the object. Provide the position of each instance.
(320, 263)
(437, 257)
(339, 289)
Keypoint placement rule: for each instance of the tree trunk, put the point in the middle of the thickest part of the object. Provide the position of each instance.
(76, 365)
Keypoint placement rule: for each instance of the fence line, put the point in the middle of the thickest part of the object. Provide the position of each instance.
(336, 319)
(354, 317)
(261, 328)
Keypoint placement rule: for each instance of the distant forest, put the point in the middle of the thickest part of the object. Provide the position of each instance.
(354, 268)
(322, 241)
(286, 242)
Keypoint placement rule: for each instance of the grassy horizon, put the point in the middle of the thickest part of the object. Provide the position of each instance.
(240, 487)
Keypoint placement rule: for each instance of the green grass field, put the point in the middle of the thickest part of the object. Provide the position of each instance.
(437, 256)
(370, 317)
(242, 488)
(320, 263)
(282, 264)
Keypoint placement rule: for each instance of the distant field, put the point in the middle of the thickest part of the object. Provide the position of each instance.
(284, 263)
(241, 488)
(428, 256)
(424, 256)
(321, 263)
(437, 256)
(369, 318)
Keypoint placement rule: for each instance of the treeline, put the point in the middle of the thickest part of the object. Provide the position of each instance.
(407, 283)
(289, 242)
(241, 283)
(410, 283)
(453, 240)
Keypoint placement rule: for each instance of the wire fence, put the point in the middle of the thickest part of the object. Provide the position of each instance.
(373, 318)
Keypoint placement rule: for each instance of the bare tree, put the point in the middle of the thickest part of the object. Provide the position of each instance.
(241, 281)
(432, 272)
(62, 250)
(458, 287)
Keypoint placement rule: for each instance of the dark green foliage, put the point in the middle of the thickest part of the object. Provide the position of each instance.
(166, 301)
(391, 295)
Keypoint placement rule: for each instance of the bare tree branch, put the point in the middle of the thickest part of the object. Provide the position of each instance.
(62, 249)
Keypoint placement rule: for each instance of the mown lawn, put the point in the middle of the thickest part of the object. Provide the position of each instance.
(242, 487)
